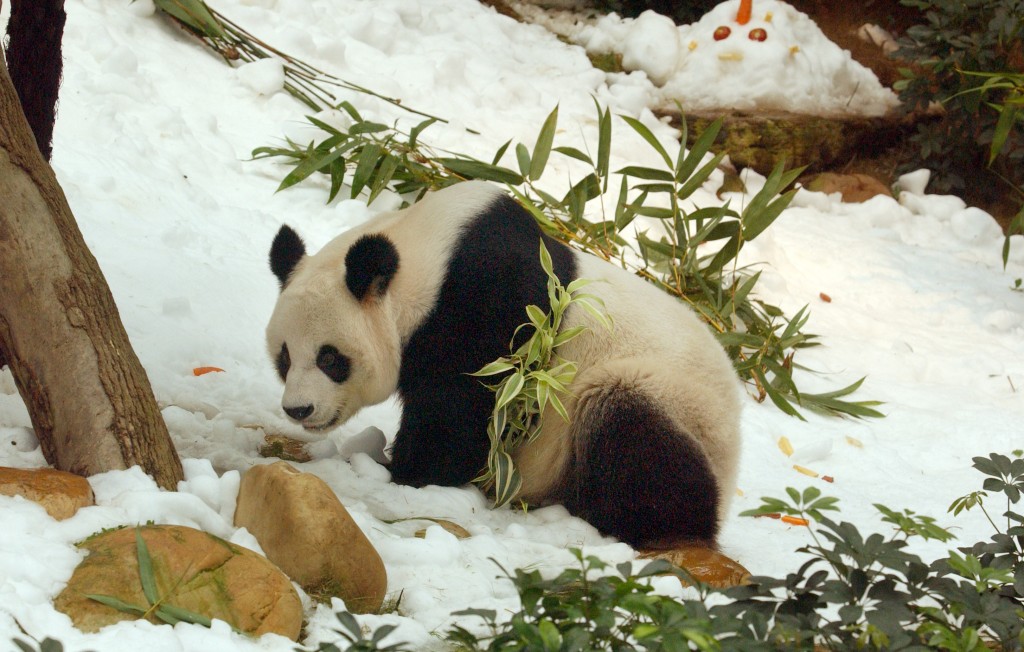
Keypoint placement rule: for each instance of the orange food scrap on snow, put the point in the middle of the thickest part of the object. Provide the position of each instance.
(825, 297)
(795, 520)
(828, 478)
(199, 371)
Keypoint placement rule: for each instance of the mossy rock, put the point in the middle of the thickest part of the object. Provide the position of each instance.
(761, 141)
(193, 570)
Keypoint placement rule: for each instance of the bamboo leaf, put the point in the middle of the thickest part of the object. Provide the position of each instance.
(697, 180)
(365, 164)
(415, 132)
(537, 316)
(624, 214)
(542, 149)
(701, 146)
(511, 387)
(545, 261)
(470, 169)
(574, 153)
(775, 396)
(559, 407)
(568, 334)
(386, 171)
(195, 14)
(337, 178)
(115, 603)
(1007, 118)
(146, 575)
(651, 139)
(360, 128)
(171, 615)
(604, 143)
(311, 164)
(523, 158)
(507, 481)
(493, 368)
(650, 174)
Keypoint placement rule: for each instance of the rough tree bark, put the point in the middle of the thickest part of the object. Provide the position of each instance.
(90, 401)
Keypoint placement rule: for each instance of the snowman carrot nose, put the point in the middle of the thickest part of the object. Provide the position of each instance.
(743, 15)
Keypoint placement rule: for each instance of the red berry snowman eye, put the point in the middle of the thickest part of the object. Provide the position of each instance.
(721, 33)
(758, 34)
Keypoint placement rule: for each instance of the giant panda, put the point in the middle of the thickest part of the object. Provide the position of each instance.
(415, 300)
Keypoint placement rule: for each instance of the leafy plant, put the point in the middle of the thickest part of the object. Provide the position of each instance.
(357, 641)
(537, 377)
(1004, 94)
(157, 606)
(46, 645)
(854, 591)
(983, 36)
(586, 608)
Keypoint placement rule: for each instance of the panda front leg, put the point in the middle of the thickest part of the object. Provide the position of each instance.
(638, 470)
(442, 438)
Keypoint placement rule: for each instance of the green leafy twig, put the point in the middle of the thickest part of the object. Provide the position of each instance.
(537, 377)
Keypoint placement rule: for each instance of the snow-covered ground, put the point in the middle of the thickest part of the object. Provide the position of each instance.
(152, 147)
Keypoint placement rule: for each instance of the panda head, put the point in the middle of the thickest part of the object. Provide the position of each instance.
(332, 335)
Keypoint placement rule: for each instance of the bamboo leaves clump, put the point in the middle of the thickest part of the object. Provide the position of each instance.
(538, 377)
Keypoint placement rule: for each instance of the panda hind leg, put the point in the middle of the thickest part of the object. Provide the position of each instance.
(635, 474)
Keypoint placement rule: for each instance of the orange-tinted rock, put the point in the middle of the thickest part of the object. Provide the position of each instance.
(303, 528)
(60, 493)
(193, 570)
(704, 564)
(855, 188)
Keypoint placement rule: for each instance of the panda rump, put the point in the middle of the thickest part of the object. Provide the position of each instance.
(420, 298)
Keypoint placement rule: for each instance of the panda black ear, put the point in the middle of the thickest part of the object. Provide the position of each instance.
(370, 264)
(285, 253)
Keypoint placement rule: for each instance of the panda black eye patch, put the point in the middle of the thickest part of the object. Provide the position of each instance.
(283, 362)
(333, 363)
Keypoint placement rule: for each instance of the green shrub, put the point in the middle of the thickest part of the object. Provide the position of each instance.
(960, 37)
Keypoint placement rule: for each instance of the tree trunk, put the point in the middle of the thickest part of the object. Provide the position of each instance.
(90, 401)
(35, 29)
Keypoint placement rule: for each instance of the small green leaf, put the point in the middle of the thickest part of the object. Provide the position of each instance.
(523, 158)
(414, 134)
(497, 367)
(574, 153)
(542, 149)
(171, 615)
(507, 480)
(146, 569)
(365, 164)
(116, 603)
(651, 139)
(470, 169)
(195, 14)
(511, 387)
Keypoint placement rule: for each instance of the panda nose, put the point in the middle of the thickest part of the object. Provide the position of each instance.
(299, 413)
